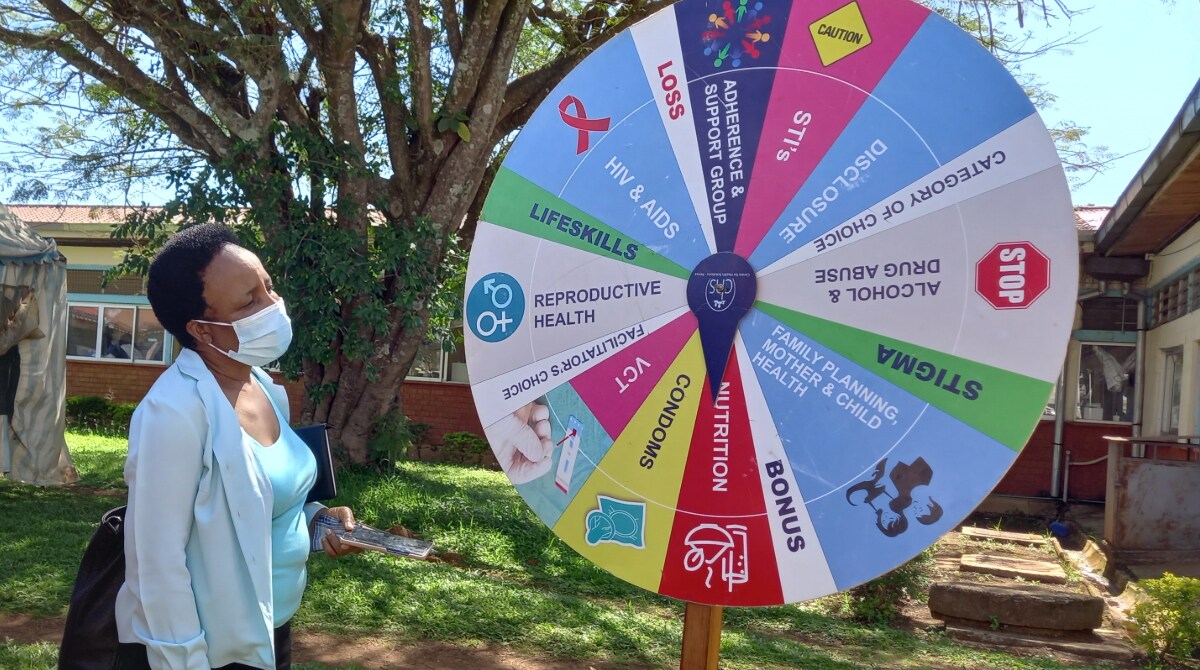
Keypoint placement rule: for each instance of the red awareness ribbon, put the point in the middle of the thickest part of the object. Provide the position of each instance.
(579, 121)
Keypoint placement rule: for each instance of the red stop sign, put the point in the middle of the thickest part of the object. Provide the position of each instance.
(1012, 275)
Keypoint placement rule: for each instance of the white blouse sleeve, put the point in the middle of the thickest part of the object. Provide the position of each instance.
(163, 471)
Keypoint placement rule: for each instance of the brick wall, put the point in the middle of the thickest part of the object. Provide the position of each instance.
(1086, 443)
(295, 393)
(119, 382)
(1030, 474)
(446, 407)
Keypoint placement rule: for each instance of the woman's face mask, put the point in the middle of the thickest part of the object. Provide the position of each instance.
(263, 337)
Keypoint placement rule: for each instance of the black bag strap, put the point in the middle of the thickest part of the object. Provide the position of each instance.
(114, 520)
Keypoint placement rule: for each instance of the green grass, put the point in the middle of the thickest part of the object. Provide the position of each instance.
(99, 458)
(47, 529)
(41, 656)
(518, 586)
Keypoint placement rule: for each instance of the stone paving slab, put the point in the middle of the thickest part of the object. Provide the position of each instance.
(1023, 539)
(1025, 605)
(1104, 647)
(1046, 572)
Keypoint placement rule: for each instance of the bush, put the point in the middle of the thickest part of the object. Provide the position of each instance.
(462, 445)
(393, 435)
(122, 415)
(878, 601)
(1168, 621)
(93, 413)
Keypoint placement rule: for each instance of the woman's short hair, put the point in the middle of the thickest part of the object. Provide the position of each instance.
(176, 285)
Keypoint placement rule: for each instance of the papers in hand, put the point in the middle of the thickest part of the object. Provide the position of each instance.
(371, 538)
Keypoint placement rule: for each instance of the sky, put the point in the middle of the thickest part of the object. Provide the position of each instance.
(1125, 82)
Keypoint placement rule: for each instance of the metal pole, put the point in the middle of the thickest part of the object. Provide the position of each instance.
(1112, 493)
(701, 637)
(1060, 407)
(1139, 385)
(1066, 477)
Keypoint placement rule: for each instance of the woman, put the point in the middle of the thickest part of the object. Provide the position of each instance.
(217, 531)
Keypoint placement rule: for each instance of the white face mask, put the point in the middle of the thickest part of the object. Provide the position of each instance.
(263, 337)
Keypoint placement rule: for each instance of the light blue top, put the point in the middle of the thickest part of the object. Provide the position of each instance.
(198, 589)
(292, 470)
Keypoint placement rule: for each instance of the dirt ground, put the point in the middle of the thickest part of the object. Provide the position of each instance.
(370, 653)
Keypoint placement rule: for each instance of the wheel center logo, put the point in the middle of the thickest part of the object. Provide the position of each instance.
(720, 292)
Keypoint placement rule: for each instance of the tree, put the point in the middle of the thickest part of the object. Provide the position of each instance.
(357, 136)
(356, 139)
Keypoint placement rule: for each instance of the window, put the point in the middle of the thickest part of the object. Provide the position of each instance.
(1105, 382)
(434, 363)
(456, 361)
(115, 332)
(428, 363)
(1172, 385)
(1173, 300)
(1051, 410)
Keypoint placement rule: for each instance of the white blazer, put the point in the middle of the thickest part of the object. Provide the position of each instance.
(197, 587)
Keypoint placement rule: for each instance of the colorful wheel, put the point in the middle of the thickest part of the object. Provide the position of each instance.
(767, 296)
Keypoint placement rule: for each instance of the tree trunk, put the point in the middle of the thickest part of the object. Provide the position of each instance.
(358, 402)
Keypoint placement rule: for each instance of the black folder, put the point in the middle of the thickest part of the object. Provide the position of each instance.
(317, 439)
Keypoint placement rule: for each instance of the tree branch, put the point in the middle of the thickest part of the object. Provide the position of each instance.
(222, 85)
(467, 162)
(298, 108)
(298, 16)
(453, 30)
(335, 59)
(192, 126)
(214, 12)
(174, 81)
(344, 23)
(466, 232)
(381, 59)
(481, 40)
(421, 87)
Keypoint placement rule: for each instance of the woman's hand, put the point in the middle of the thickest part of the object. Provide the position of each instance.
(331, 543)
(523, 446)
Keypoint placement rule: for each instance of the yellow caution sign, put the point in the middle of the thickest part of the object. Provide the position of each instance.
(840, 34)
